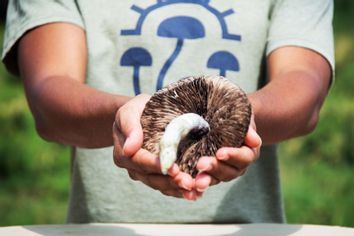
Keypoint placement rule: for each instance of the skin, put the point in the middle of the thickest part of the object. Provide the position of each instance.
(52, 62)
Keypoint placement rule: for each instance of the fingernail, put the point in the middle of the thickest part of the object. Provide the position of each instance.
(222, 155)
(189, 196)
(173, 171)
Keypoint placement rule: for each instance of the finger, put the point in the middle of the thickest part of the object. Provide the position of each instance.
(238, 157)
(252, 138)
(218, 169)
(179, 180)
(204, 181)
(118, 141)
(190, 195)
(142, 161)
(184, 181)
(155, 181)
(167, 186)
(173, 171)
(161, 183)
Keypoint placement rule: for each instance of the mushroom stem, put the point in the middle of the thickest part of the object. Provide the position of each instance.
(175, 131)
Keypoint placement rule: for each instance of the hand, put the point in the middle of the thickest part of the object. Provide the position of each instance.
(142, 165)
(229, 163)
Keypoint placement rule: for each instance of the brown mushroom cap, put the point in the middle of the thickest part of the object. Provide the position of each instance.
(221, 103)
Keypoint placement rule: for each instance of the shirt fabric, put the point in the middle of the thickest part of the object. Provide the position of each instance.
(137, 46)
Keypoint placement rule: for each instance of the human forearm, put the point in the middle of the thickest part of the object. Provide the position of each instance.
(286, 108)
(69, 112)
(52, 61)
(289, 105)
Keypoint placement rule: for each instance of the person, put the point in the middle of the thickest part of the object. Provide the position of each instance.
(88, 66)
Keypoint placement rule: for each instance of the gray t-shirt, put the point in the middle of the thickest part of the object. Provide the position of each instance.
(139, 46)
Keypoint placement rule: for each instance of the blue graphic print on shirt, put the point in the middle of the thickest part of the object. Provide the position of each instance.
(178, 28)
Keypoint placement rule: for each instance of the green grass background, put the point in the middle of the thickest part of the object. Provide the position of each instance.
(317, 170)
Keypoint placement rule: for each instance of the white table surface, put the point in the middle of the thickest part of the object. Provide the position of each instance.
(177, 229)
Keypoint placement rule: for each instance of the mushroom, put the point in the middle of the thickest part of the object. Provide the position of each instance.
(194, 117)
(223, 61)
(180, 28)
(136, 57)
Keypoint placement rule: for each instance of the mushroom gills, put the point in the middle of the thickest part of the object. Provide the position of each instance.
(188, 125)
(220, 102)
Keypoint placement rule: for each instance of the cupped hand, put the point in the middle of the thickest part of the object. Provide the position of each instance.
(142, 165)
(229, 163)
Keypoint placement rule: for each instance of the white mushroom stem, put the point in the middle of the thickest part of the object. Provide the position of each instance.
(175, 131)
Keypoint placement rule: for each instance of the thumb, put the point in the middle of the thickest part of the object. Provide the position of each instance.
(129, 121)
(252, 138)
(129, 118)
(134, 140)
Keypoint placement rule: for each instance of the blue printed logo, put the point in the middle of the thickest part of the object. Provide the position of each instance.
(178, 28)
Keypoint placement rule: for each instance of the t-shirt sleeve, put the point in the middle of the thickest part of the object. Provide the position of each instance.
(303, 23)
(26, 15)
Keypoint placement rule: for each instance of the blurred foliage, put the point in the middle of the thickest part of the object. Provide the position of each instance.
(34, 175)
(317, 170)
